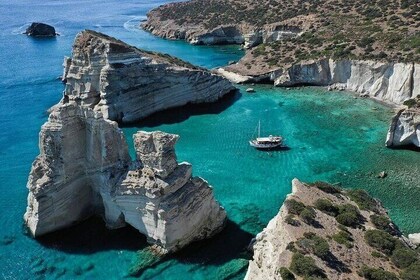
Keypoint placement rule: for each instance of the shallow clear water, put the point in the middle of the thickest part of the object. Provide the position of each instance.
(331, 136)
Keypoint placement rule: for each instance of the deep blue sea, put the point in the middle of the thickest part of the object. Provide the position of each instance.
(332, 136)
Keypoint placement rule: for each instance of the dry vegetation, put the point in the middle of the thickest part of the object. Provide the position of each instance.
(345, 234)
(387, 30)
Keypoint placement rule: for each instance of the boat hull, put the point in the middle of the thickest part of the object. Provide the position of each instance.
(265, 146)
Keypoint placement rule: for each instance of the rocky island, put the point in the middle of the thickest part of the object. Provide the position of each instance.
(84, 167)
(38, 29)
(325, 232)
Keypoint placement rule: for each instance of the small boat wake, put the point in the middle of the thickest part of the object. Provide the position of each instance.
(134, 23)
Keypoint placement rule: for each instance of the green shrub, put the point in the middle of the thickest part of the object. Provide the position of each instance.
(403, 257)
(308, 215)
(343, 237)
(286, 274)
(412, 272)
(349, 215)
(305, 266)
(327, 188)
(371, 273)
(381, 222)
(326, 206)
(410, 103)
(380, 240)
(291, 221)
(291, 247)
(363, 199)
(294, 207)
(312, 243)
(376, 254)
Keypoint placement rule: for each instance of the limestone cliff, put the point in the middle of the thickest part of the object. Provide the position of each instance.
(126, 84)
(404, 128)
(84, 167)
(325, 232)
(175, 208)
(390, 82)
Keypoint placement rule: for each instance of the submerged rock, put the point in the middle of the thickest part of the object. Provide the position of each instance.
(37, 29)
(84, 167)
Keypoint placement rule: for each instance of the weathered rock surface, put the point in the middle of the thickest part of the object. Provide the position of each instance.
(175, 208)
(275, 245)
(127, 84)
(82, 156)
(37, 29)
(404, 129)
(84, 167)
(390, 82)
(199, 34)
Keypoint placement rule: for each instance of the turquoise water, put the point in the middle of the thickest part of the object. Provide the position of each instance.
(331, 136)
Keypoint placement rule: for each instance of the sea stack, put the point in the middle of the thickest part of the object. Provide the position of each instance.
(84, 168)
(404, 129)
(176, 207)
(37, 29)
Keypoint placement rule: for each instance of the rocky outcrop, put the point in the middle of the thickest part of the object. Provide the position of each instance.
(126, 84)
(291, 243)
(162, 200)
(404, 129)
(37, 29)
(81, 159)
(84, 168)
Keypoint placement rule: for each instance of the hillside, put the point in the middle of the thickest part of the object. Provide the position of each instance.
(289, 31)
(325, 232)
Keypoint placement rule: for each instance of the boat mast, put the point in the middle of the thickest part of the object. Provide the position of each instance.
(259, 128)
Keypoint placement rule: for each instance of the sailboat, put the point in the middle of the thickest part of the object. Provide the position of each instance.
(266, 143)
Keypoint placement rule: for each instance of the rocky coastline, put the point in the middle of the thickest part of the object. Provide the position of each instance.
(84, 168)
(126, 84)
(313, 236)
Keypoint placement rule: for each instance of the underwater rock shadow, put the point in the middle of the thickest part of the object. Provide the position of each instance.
(229, 244)
(182, 113)
(91, 236)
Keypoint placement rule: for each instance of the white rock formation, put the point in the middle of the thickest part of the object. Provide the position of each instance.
(404, 128)
(415, 238)
(162, 200)
(389, 82)
(82, 156)
(84, 167)
(127, 84)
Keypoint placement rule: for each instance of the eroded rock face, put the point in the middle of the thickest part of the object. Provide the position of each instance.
(176, 207)
(37, 29)
(81, 159)
(127, 84)
(84, 167)
(404, 128)
(393, 83)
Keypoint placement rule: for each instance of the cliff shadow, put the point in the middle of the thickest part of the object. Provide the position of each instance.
(406, 148)
(220, 250)
(182, 113)
(91, 236)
